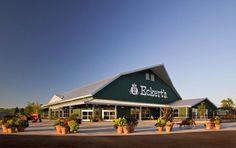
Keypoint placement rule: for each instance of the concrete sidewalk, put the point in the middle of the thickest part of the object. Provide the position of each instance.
(107, 129)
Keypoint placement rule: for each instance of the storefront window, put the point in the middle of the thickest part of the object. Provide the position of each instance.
(145, 113)
(108, 115)
(176, 112)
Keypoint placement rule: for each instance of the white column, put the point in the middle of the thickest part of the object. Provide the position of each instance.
(140, 113)
(62, 112)
(115, 111)
(49, 113)
(93, 108)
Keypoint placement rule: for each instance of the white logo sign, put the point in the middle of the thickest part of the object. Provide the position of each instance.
(144, 91)
(134, 89)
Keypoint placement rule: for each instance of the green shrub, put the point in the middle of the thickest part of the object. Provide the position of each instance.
(160, 122)
(74, 126)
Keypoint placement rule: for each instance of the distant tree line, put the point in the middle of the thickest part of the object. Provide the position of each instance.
(31, 107)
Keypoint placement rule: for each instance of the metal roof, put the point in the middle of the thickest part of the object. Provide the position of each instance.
(87, 90)
(189, 102)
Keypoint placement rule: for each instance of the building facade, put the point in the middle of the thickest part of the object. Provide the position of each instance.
(141, 93)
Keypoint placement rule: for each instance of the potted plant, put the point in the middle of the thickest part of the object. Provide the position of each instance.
(210, 123)
(61, 126)
(4, 129)
(119, 123)
(127, 125)
(133, 124)
(73, 125)
(160, 124)
(217, 123)
(169, 126)
(21, 123)
(10, 126)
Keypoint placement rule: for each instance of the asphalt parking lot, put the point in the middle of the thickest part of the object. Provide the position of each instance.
(102, 134)
(214, 139)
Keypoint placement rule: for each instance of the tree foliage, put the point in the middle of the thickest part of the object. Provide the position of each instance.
(202, 109)
(33, 107)
(16, 111)
(227, 103)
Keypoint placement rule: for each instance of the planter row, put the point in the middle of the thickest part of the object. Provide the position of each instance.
(125, 129)
(210, 125)
(12, 130)
(168, 129)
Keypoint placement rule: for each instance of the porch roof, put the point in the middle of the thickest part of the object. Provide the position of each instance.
(123, 103)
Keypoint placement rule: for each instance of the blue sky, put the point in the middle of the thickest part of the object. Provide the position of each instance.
(49, 47)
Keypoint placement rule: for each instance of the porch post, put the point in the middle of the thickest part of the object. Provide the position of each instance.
(93, 112)
(115, 111)
(49, 113)
(62, 112)
(140, 113)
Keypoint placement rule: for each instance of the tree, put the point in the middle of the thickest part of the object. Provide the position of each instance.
(202, 110)
(22, 111)
(16, 111)
(33, 107)
(227, 103)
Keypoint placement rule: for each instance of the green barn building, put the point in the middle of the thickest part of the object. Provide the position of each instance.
(141, 93)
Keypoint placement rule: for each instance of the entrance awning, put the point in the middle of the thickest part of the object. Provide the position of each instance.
(123, 103)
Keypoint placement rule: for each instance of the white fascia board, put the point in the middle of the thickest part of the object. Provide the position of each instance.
(57, 106)
(66, 100)
(180, 106)
(123, 103)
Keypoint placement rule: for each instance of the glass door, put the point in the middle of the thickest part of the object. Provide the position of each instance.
(87, 115)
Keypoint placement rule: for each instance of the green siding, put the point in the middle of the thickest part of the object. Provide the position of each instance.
(182, 112)
(77, 111)
(120, 88)
(211, 107)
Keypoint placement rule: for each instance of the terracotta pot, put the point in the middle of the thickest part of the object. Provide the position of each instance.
(168, 129)
(58, 129)
(20, 129)
(10, 130)
(64, 130)
(160, 129)
(217, 126)
(4, 129)
(126, 129)
(208, 125)
(132, 128)
(119, 130)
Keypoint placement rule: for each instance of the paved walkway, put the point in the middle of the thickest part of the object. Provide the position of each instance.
(107, 129)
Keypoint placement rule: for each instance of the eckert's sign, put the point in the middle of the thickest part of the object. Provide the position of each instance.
(147, 91)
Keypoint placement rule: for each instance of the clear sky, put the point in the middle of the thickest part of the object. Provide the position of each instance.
(49, 47)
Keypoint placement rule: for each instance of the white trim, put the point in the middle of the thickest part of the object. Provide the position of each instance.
(66, 100)
(109, 114)
(176, 109)
(88, 110)
(123, 103)
(116, 111)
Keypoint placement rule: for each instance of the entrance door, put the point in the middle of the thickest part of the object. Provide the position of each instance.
(194, 113)
(135, 112)
(87, 115)
(108, 115)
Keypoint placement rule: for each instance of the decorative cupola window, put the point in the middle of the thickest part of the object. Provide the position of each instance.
(147, 76)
